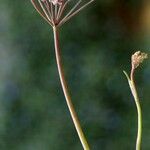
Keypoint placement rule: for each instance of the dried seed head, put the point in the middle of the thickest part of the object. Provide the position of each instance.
(55, 12)
(137, 58)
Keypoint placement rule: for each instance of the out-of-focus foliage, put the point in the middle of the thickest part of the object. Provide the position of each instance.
(96, 47)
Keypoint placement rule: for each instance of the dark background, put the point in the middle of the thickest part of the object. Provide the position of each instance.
(96, 48)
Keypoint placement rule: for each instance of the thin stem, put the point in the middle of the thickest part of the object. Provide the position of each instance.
(138, 107)
(41, 14)
(139, 112)
(52, 11)
(59, 10)
(76, 5)
(48, 17)
(66, 91)
(48, 9)
(56, 9)
(75, 12)
(62, 9)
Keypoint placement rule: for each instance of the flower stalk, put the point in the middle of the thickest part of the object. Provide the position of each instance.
(66, 91)
(136, 59)
(53, 11)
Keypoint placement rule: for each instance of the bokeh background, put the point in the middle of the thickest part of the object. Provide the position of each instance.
(96, 47)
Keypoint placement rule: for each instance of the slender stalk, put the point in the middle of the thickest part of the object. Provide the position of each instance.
(44, 10)
(75, 6)
(138, 107)
(74, 13)
(62, 9)
(66, 91)
(48, 9)
(41, 13)
(139, 112)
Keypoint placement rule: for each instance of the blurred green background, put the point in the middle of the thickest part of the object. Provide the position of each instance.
(96, 47)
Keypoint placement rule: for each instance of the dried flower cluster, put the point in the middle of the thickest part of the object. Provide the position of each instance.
(54, 11)
(137, 58)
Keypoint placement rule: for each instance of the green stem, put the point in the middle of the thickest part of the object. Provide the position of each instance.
(66, 91)
(138, 106)
(139, 112)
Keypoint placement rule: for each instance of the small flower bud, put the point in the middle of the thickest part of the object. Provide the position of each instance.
(137, 58)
